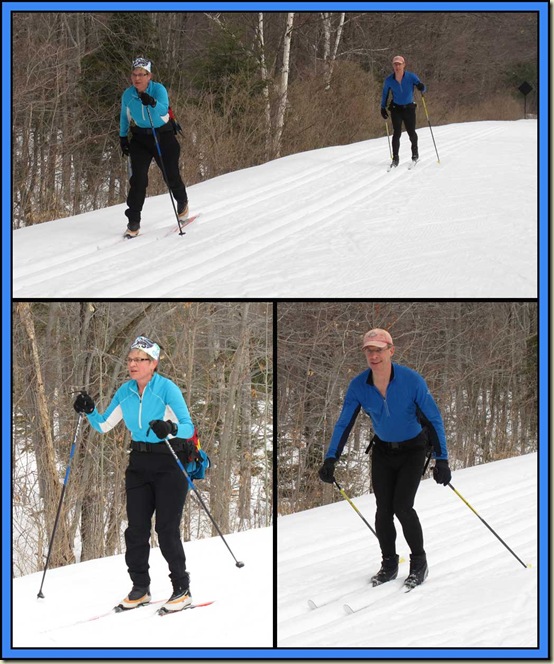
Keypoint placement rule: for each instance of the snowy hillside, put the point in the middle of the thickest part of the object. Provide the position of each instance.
(326, 223)
(477, 594)
(241, 615)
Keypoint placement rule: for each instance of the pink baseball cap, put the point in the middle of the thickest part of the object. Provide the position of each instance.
(398, 58)
(377, 337)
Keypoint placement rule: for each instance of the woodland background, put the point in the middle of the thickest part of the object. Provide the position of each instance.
(219, 354)
(479, 359)
(246, 87)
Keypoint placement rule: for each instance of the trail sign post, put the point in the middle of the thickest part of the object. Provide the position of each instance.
(525, 88)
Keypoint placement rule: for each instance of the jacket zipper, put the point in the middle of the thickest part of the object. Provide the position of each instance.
(140, 407)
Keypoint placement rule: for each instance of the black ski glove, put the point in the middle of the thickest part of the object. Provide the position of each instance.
(163, 429)
(441, 472)
(420, 86)
(384, 113)
(190, 453)
(84, 403)
(327, 471)
(124, 143)
(147, 100)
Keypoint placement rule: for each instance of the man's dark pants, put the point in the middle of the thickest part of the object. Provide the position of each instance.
(395, 475)
(407, 115)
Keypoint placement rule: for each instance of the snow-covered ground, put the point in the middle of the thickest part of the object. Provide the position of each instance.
(240, 617)
(326, 223)
(477, 594)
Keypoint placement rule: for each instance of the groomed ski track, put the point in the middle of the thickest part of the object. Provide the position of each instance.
(326, 223)
(476, 594)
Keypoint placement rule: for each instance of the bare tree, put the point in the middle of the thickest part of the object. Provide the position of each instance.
(330, 51)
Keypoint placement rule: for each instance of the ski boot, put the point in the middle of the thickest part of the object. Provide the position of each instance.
(418, 571)
(139, 596)
(388, 571)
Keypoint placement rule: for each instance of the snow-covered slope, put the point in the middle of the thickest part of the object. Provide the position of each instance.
(326, 223)
(241, 615)
(477, 594)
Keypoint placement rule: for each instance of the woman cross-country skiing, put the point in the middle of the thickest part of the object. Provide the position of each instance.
(153, 409)
(398, 402)
(402, 107)
(146, 102)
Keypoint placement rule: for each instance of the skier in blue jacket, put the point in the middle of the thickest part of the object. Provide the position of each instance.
(406, 420)
(153, 410)
(145, 101)
(402, 107)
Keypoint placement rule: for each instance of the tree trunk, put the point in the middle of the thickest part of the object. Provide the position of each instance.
(49, 482)
(282, 91)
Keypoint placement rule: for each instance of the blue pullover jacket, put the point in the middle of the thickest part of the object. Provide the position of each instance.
(396, 417)
(403, 92)
(161, 400)
(132, 108)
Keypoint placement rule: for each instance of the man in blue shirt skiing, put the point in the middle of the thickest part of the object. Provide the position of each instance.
(145, 105)
(402, 107)
(406, 421)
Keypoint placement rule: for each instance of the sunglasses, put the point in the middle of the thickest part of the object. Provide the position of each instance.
(376, 350)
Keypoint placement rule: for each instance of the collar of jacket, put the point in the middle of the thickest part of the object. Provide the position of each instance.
(369, 380)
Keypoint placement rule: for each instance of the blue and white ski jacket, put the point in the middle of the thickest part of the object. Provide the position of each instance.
(395, 417)
(132, 109)
(160, 400)
(403, 92)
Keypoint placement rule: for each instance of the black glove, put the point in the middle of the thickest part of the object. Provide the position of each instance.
(84, 403)
(384, 113)
(190, 453)
(147, 100)
(420, 86)
(327, 471)
(163, 429)
(441, 472)
(124, 142)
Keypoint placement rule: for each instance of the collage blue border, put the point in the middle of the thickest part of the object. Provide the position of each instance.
(543, 650)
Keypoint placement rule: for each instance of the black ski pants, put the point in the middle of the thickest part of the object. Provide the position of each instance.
(407, 115)
(154, 483)
(395, 473)
(142, 149)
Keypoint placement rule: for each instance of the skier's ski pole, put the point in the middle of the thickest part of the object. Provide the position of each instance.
(238, 563)
(431, 129)
(163, 170)
(427, 462)
(345, 496)
(40, 595)
(388, 138)
(343, 493)
(486, 524)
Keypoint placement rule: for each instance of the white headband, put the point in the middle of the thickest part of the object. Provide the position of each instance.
(149, 347)
(143, 63)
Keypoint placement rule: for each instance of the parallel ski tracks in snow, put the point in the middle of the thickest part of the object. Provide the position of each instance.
(317, 214)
